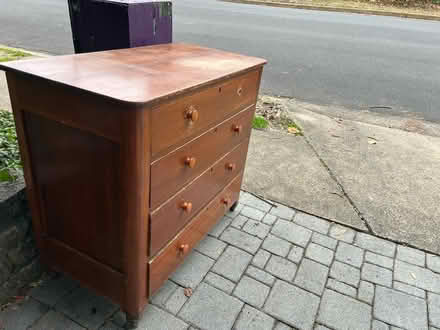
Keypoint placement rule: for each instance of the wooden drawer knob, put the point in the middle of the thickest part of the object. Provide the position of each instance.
(237, 128)
(226, 201)
(240, 91)
(230, 166)
(192, 114)
(190, 161)
(186, 206)
(184, 248)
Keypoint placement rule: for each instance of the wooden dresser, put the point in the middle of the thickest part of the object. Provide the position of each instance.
(130, 157)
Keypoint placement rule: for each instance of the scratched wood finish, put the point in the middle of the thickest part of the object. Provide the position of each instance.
(103, 138)
(172, 216)
(170, 173)
(173, 255)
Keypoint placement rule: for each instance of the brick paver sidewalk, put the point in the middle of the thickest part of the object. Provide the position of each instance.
(265, 267)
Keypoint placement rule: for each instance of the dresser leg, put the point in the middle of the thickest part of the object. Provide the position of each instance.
(233, 207)
(131, 322)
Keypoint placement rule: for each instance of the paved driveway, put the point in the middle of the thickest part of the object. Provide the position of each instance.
(265, 266)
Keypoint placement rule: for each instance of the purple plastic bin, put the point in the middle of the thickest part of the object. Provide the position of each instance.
(112, 24)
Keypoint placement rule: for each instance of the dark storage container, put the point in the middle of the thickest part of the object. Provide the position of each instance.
(112, 24)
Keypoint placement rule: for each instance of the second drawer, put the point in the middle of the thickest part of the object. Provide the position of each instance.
(166, 221)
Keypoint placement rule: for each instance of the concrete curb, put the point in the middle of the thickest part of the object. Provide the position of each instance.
(334, 9)
(25, 51)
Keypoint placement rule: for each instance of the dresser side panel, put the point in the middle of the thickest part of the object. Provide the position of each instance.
(72, 179)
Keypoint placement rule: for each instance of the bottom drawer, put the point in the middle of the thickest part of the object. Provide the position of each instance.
(161, 267)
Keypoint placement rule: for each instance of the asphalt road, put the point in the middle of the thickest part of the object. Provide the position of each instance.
(357, 61)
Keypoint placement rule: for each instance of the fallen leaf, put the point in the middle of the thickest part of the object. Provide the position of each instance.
(334, 135)
(188, 292)
(371, 140)
(293, 130)
(413, 275)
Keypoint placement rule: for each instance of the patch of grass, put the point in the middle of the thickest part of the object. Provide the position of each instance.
(10, 162)
(11, 54)
(259, 123)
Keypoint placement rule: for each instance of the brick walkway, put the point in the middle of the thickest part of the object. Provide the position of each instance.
(265, 267)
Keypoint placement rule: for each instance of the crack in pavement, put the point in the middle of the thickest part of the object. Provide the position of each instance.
(334, 178)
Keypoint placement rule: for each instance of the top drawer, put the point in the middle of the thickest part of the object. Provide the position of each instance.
(177, 121)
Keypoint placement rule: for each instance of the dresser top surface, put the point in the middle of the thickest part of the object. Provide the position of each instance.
(138, 75)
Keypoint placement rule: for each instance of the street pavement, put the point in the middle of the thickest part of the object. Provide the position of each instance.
(264, 266)
(357, 61)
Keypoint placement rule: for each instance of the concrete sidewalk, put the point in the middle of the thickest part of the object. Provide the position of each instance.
(376, 173)
(264, 267)
(5, 102)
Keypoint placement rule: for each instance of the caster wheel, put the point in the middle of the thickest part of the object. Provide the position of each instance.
(233, 207)
(131, 323)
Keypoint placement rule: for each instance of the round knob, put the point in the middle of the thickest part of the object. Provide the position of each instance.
(226, 201)
(184, 248)
(239, 91)
(237, 128)
(186, 206)
(192, 114)
(230, 166)
(190, 162)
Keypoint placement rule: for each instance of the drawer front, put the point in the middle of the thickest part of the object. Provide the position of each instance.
(172, 172)
(175, 122)
(167, 221)
(161, 267)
